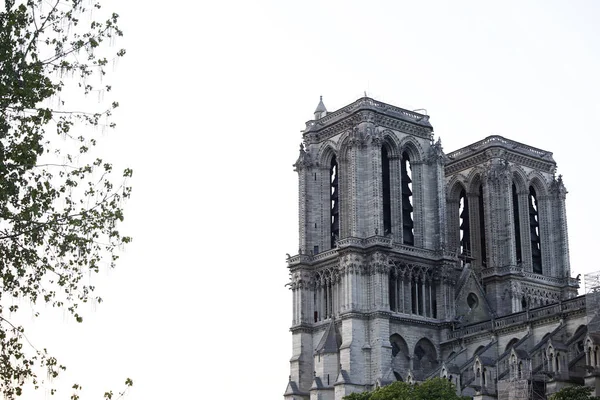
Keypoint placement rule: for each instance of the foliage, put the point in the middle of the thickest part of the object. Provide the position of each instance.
(358, 396)
(432, 389)
(60, 206)
(574, 393)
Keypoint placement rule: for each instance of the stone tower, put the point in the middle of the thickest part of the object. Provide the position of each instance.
(400, 244)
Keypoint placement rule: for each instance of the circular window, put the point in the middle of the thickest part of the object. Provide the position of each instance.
(472, 300)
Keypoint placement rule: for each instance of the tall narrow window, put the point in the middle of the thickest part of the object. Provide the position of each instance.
(407, 208)
(335, 203)
(465, 232)
(482, 228)
(413, 295)
(393, 291)
(534, 226)
(517, 224)
(387, 201)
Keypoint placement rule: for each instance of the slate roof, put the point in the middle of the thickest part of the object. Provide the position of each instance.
(321, 106)
(487, 361)
(330, 342)
(522, 354)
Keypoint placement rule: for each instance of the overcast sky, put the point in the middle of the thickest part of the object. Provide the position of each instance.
(213, 97)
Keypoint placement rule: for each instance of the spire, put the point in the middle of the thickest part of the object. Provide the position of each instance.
(321, 111)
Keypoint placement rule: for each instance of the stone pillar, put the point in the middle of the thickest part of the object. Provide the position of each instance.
(499, 215)
(559, 195)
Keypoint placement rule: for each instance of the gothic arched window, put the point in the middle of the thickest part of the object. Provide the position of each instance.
(517, 224)
(465, 231)
(387, 198)
(483, 251)
(335, 202)
(534, 225)
(407, 208)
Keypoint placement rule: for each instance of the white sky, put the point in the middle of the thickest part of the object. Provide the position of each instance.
(213, 97)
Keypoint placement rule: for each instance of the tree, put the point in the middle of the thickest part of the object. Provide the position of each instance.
(432, 389)
(574, 393)
(60, 205)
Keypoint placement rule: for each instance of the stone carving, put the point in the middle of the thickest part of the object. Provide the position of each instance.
(557, 187)
(436, 153)
(370, 284)
(304, 159)
(498, 171)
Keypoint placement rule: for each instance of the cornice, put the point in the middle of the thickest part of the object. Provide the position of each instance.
(367, 245)
(516, 272)
(498, 146)
(367, 110)
(417, 320)
(302, 328)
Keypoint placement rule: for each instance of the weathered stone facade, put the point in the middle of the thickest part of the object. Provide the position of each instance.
(414, 263)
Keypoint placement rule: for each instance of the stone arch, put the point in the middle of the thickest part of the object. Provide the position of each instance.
(390, 140)
(477, 350)
(425, 356)
(400, 353)
(545, 336)
(399, 345)
(344, 147)
(579, 329)
(511, 343)
(479, 235)
(326, 153)
(453, 223)
(541, 259)
(455, 186)
(519, 178)
(412, 148)
(538, 182)
(518, 192)
(474, 180)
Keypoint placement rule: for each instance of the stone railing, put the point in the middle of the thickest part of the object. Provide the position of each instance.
(495, 141)
(377, 241)
(471, 329)
(544, 278)
(372, 241)
(417, 251)
(310, 258)
(576, 303)
(350, 241)
(370, 104)
(510, 269)
(518, 270)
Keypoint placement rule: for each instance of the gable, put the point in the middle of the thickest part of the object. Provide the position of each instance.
(470, 300)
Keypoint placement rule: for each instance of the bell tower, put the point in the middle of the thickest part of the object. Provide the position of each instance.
(516, 222)
(371, 258)
(413, 263)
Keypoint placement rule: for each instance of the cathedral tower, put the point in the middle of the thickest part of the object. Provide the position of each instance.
(401, 245)
(516, 226)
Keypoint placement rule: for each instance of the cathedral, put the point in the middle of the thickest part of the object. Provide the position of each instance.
(414, 263)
